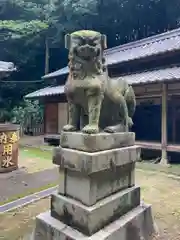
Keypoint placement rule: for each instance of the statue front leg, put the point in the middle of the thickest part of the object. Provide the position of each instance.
(94, 108)
(73, 118)
(84, 119)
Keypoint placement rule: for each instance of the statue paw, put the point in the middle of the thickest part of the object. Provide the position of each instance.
(69, 128)
(116, 128)
(90, 129)
(110, 129)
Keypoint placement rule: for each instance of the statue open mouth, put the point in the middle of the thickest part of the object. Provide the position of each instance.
(98, 102)
(87, 53)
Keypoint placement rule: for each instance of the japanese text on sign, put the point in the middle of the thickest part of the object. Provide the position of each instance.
(7, 140)
(7, 149)
(7, 162)
(3, 138)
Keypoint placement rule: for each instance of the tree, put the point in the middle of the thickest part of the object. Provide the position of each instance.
(22, 35)
(32, 31)
(28, 109)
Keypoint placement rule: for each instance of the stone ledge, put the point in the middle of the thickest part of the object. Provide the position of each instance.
(89, 220)
(136, 224)
(96, 142)
(88, 189)
(89, 163)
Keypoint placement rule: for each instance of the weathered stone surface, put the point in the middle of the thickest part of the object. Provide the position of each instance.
(62, 181)
(89, 220)
(89, 163)
(90, 189)
(94, 100)
(96, 142)
(135, 225)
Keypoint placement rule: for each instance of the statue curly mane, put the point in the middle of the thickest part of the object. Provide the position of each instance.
(96, 101)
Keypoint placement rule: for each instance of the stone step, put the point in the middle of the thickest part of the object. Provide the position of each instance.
(89, 189)
(135, 225)
(89, 220)
(96, 142)
(89, 163)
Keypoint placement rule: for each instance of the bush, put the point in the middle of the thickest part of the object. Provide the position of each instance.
(28, 114)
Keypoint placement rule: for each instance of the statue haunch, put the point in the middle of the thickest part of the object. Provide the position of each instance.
(95, 101)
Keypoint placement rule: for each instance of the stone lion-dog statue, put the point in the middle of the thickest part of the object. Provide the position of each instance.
(95, 101)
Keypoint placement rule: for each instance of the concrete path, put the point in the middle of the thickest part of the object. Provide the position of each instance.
(18, 182)
(27, 200)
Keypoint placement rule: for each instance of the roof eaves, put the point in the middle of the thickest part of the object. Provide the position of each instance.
(151, 76)
(166, 74)
(59, 72)
(48, 91)
(129, 46)
(144, 41)
(7, 66)
(147, 56)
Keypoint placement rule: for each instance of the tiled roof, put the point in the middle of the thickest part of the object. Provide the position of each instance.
(48, 91)
(157, 75)
(59, 72)
(155, 45)
(7, 66)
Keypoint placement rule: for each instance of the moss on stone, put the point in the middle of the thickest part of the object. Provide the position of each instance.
(116, 96)
(86, 33)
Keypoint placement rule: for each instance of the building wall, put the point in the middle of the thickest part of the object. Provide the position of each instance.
(62, 115)
(147, 116)
(55, 117)
(51, 118)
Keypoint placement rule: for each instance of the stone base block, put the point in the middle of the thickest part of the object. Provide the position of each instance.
(89, 163)
(89, 220)
(135, 225)
(89, 189)
(96, 142)
(9, 169)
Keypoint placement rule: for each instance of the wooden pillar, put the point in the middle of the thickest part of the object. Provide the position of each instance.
(44, 118)
(173, 121)
(164, 157)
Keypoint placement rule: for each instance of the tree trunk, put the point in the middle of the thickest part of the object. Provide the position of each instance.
(46, 56)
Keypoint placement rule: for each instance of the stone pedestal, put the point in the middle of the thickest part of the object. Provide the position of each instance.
(97, 197)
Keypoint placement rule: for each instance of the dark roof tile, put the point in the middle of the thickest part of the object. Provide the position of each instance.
(59, 72)
(48, 91)
(157, 75)
(7, 66)
(155, 45)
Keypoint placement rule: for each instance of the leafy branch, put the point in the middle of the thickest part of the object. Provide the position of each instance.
(19, 29)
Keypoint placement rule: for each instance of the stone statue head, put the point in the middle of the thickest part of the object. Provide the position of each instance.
(85, 44)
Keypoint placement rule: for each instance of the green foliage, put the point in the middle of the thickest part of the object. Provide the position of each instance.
(29, 113)
(25, 24)
(18, 29)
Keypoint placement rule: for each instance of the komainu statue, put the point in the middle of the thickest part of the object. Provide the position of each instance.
(96, 102)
